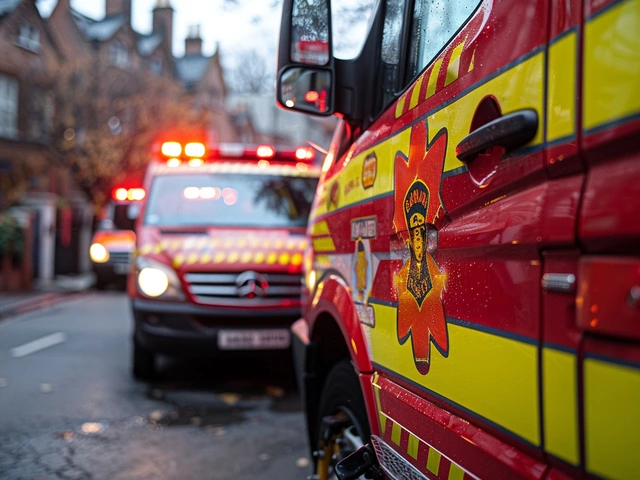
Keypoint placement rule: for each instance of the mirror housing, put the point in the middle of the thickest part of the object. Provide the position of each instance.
(305, 58)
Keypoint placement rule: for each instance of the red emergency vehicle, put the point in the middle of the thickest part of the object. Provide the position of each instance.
(473, 302)
(114, 240)
(219, 246)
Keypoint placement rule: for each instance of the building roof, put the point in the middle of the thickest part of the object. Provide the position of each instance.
(192, 68)
(147, 44)
(100, 30)
(8, 6)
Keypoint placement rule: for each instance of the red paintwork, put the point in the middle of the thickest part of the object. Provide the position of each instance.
(542, 211)
(118, 239)
(605, 286)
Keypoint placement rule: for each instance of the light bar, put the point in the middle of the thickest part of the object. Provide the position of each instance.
(171, 149)
(132, 194)
(120, 194)
(265, 151)
(174, 162)
(194, 150)
(304, 153)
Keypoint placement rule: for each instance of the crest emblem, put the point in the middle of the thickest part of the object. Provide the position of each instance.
(420, 283)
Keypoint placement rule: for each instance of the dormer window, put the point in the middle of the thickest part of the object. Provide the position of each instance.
(118, 54)
(29, 37)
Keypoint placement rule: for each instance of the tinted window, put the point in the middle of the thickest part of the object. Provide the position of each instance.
(434, 24)
(230, 200)
(123, 218)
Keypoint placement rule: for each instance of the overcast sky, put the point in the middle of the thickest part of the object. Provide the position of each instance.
(253, 24)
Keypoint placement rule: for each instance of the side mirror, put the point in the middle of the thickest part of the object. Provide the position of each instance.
(305, 59)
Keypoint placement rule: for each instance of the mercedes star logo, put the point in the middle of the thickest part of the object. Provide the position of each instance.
(252, 285)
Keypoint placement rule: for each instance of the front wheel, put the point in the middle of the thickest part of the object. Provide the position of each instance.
(342, 426)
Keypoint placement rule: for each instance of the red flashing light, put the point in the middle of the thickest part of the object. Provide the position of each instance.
(304, 153)
(266, 151)
(311, 96)
(195, 150)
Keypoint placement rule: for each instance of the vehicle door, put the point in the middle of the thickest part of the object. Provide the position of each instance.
(608, 297)
(467, 206)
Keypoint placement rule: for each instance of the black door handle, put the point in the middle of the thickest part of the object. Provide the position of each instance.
(510, 131)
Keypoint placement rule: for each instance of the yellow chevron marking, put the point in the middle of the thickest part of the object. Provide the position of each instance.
(415, 95)
(259, 258)
(146, 249)
(412, 446)
(206, 258)
(400, 106)
(296, 259)
(473, 61)
(192, 258)
(246, 257)
(323, 244)
(396, 433)
(284, 259)
(178, 260)
(453, 70)
(233, 257)
(219, 258)
(455, 472)
(433, 78)
(433, 461)
(272, 258)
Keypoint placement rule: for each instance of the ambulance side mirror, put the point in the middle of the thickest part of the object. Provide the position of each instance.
(305, 58)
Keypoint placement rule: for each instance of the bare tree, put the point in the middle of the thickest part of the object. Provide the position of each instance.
(251, 74)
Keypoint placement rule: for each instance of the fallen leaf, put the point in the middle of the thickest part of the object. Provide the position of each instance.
(230, 398)
(68, 436)
(197, 421)
(156, 415)
(264, 457)
(274, 391)
(91, 427)
(46, 388)
(302, 462)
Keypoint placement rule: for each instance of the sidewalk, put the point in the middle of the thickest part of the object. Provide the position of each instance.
(44, 295)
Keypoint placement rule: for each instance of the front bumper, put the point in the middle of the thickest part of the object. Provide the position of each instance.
(189, 329)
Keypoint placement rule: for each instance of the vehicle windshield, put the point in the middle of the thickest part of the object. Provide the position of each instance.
(232, 200)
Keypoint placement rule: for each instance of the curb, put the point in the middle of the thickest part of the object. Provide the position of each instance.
(38, 303)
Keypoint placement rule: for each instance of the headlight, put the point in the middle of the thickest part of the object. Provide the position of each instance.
(153, 282)
(156, 279)
(98, 253)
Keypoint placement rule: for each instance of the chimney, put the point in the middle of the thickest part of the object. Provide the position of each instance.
(163, 21)
(114, 7)
(193, 42)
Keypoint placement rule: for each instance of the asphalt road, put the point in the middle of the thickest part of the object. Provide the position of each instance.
(69, 408)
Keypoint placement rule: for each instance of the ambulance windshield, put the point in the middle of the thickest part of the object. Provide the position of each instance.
(242, 200)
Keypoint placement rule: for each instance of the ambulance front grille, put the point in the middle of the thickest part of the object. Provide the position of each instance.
(224, 288)
(119, 257)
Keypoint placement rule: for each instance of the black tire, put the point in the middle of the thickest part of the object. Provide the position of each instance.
(341, 395)
(144, 362)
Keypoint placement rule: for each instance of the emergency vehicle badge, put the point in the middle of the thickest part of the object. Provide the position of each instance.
(420, 283)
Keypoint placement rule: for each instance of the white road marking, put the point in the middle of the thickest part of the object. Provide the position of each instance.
(39, 344)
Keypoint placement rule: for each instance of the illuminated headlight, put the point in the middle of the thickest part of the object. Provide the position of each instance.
(156, 279)
(153, 282)
(98, 253)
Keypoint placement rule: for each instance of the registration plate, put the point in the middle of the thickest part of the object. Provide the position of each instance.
(271, 339)
(121, 268)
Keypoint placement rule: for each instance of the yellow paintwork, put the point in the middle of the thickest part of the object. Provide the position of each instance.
(323, 244)
(612, 65)
(493, 376)
(518, 88)
(453, 70)
(433, 461)
(415, 93)
(412, 446)
(612, 419)
(560, 404)
(396, 433)
(562, 78)
(433, 78)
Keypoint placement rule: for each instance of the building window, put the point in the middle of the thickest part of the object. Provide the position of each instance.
(156, 66)
(118, 54)
(8, 107)
(29, 37)
(41, 112)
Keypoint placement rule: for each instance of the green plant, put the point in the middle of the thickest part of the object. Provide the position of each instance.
(11, 238)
